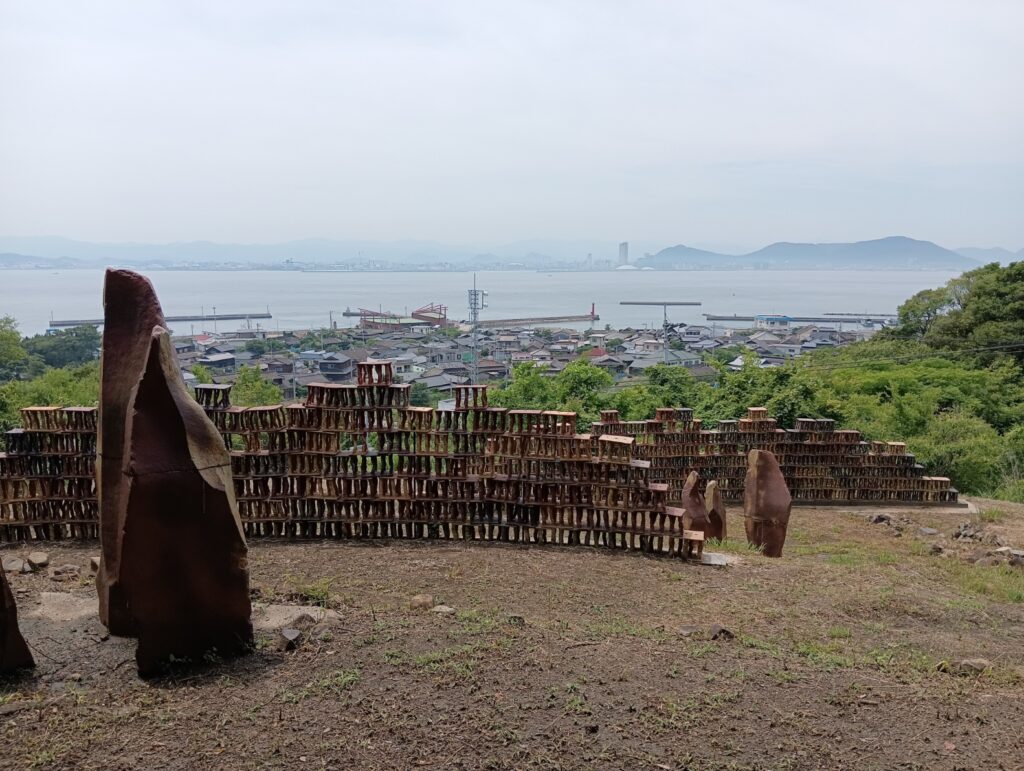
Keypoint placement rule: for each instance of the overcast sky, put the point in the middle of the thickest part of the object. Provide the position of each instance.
(720, 123)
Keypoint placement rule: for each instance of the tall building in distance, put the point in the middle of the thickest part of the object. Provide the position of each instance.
(624, 253)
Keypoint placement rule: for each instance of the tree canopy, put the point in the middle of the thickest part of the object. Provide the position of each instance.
(251, 390)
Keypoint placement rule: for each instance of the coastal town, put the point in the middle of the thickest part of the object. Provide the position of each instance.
(435, 355)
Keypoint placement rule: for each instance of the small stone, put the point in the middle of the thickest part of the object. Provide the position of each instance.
(687, 631)
(1017, 552)
(94, 564)
(715, 559)
(1016, 562)
(972, 666)
(443, 610)
(14, 565)
(422, 602)
(880, 519)
(517, 621)
(718, 632)
(1003, 550)
(321, 633)
(988, 562)
(927, 531)
(65, 573)
(936, 549)
(303, 622)
(38, 560)
(288, 639)
(75, 677)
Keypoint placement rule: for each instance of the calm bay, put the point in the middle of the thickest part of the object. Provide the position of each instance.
(301, 300)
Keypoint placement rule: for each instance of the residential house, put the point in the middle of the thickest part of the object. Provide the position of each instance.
(222, 362)
(337, 367)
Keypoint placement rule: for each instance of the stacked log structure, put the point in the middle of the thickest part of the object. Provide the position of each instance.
(357, 461)
(820, 464)
(47, 476)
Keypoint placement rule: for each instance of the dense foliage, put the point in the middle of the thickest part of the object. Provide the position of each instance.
(251, 390)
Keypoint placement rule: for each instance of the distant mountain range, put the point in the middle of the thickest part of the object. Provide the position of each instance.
(315, 250)
(992, 254)
(896, 252)
(893, 253)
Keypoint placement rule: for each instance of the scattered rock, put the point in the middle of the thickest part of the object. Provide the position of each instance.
(718, 632)
(66, 573)
(38, 560)
(75, 677)
(986, 562)
(321, 633)
(16, 706)
(1002, 550)
(880, 519)
(687, 631)
(975, 555)
(927, 531)
(1017, 553)
(422, 602)
(288, 639)
(15, 565)
(443, 610)
(517, 621)
(94, 564)
(966, 531)
(303, 622)
(936, 549)
(973, 667)
(717, 559)
(1016, 562)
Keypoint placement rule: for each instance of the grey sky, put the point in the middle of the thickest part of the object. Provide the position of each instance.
(717, 123)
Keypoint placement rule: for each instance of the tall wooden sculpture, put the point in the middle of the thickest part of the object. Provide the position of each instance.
(174, 568)
(716, 511)
(14, 653)
(766, 503)
(695, 513)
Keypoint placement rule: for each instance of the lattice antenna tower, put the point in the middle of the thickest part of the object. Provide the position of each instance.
(477, 302)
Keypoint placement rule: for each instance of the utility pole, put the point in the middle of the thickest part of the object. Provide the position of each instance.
(476, 303)
(665, 325)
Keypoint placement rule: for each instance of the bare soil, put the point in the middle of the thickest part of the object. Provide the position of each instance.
(843, 655)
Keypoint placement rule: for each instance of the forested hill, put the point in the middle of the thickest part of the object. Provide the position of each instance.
(893, 253)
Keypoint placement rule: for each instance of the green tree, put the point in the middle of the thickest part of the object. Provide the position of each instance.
(66, 387)
(65, 347)
(15, 361)
(251, 390)
(529, 389)
(257, 347)
(202, 374)
(983, 308)
(962, 447)
(578, 388)
(419, 395)
(917, 314)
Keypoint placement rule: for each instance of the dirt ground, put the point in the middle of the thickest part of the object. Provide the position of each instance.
(842, 654)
